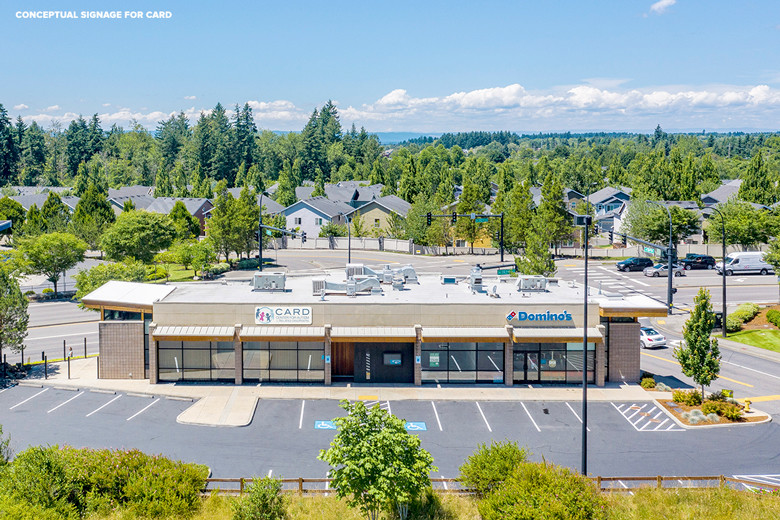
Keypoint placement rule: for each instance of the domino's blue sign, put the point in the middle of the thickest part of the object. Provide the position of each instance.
(539, 316)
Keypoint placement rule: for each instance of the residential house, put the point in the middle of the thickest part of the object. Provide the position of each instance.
(349, 192)
(139, 202)
(197, 207)
(39, 198)
(726, 191)
(376, 214)
(130, 191)
(309, 215)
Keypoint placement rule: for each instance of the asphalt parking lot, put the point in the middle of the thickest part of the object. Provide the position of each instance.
(285, 436)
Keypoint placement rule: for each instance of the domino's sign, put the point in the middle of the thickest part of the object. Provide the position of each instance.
(523, 316)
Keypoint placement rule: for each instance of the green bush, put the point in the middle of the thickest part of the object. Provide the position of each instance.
(717, 396)
(38, 476)
(648, 382)
(155, 273)
(248, 263)
(733, 324)
(219, 268)
(538, 491)
(773, 317)
(15, 509)
(730, 411)
(710, 407)
(48, 290)
(490, 465)
(264, 501)
(688, 398)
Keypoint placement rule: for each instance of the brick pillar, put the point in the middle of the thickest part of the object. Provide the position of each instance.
(600, 367)
(238, 348)
(509, 363)
(418, 355)
(328, 354)
(152, 354)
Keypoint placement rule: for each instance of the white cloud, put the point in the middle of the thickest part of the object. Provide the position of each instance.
(21, 106)
(52, 108)
(661, 6)
(190, 98)
(106, 105)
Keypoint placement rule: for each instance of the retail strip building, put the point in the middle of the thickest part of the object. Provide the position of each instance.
(368, 327)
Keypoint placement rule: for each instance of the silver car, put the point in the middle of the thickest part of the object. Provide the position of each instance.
(660, 270)
(649, 337)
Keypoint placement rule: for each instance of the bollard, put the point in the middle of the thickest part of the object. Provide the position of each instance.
(68, 367)
(43, 355)
(85, 348)
(23, 355)
(97, 364)
(63, 349)
(45, 367)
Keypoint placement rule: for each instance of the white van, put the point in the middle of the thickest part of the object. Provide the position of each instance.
(745, 262)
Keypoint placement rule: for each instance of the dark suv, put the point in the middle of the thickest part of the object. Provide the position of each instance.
(634, 264)
(694, 261)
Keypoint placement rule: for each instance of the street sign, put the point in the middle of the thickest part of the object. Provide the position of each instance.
(506, 271)
(481, 219)
(650, 250)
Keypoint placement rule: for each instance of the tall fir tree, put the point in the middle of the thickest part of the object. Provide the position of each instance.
(699, 355)
(536, 258)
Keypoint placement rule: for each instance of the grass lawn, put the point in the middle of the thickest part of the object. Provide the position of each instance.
(767, 339)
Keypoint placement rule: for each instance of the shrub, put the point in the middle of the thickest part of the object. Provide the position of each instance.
(688, 398)
(648, 382)
(733, 324)
(219, 268)
(710, 407)
(773, 317)
(48, 290)
(663, 387)
(731, 412)
(156, 273)
(248, 263)
(717, 396)
(490, 465)
(538, 491)
(748, 310)
(12, 508)
(264, 501)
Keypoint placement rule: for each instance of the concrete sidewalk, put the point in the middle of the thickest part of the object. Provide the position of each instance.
(231, 405)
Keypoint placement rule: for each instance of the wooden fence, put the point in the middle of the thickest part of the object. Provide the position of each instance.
(237, 486)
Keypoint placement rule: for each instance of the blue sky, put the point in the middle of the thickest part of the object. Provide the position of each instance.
(428, 66)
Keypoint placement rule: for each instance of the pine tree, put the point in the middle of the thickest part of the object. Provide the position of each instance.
(55, 213)
(536, 257)
(34, 224)
(8, 151)
(163, 186)
(13, 314)
(319, 185)
(92, 216)
(285, 193)
(518, 215)
(699, 355)
(552, 209)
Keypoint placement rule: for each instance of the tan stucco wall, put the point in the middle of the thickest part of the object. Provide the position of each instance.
(368, 215)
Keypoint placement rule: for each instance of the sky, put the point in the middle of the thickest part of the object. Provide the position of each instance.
(417, 66)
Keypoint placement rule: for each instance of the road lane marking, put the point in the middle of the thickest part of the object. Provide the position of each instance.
(36, 395)
(66, 402)
(678, 364)
(532, 419)
(82, 334)
(144, 409)
(484, 418)
(103, 406)
(761, 398)
(575, 415)
(300, 423)
(436, 413)
(751, 369)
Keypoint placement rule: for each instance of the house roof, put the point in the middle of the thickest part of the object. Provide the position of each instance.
(724, 192)
(139, 201)
(391, 203)
(165, 204)
(609, 193)
(344, 191)
(327, 207)
(129, 191)
(34, 190)
(38, 199)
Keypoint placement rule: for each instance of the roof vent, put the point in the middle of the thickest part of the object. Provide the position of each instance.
(475, 279)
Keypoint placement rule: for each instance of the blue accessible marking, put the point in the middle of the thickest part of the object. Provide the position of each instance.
(324, 425)
(416, 427)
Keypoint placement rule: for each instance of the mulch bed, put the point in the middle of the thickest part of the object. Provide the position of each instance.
(678, 409)
(760, 322)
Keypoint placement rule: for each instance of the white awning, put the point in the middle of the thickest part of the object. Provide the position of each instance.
(556, 335)
(464, 333)
(125, 295)
(194, 332)
(282, 332)
(367, 333)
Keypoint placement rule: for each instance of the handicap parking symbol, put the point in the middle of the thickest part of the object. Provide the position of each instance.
(415, 427)
(324, 425)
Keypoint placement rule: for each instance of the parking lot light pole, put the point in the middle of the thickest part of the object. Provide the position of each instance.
(723, 267)
(669, 301)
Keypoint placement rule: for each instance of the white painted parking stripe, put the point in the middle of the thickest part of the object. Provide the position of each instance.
(636, 412)
(388, 408)
(300, 423)
(436, 413)
(66, 402)
(640, 282)
(270, 471)
(575, 415)
(103, 406)
(532, 419)
(36, 395)
(4, 389)
(144, 409)
(484, 418)
(662, 423)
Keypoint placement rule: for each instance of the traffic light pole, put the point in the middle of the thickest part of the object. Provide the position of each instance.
(473, 216)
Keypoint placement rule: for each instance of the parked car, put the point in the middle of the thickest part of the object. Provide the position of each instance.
(634, 264)
(696, 261)
(649, 337)
(660, 270)
(745, 262)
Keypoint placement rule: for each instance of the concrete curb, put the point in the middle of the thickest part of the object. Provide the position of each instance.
(704, 426)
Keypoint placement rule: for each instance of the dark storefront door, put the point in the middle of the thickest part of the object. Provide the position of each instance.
(526, 367)
(343, 360)
(384, 363)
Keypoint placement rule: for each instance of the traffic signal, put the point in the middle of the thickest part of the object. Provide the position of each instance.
(611, 236)
(429, 217)
(454, 217)
(625, 239)
(497, 235)
(303, 237)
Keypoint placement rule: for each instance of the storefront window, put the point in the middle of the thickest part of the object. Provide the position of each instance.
(284, 361)
(551, 362)
(463, 362)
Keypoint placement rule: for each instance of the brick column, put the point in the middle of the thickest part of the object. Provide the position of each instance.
(624, 351)
(328, 354)
(417, 355)
(509, 360)
(238, 348)
(152, 354)
(600, 368)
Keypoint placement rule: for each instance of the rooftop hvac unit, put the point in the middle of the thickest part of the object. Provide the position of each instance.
(475, 279)
(532, 283)
(266, 281)
(355, 270)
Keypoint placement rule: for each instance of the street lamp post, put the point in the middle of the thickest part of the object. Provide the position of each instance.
(668, 256)
(588, 222)
(260, 231)
(349, 238)
(723, 267)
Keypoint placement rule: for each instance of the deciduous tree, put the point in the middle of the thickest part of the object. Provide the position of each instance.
(139, 235)
(52, 254)
(13, 314)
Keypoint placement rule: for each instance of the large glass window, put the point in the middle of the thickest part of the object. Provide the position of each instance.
(463, 362)
(196, 361)
(284, 361)
(552, 362)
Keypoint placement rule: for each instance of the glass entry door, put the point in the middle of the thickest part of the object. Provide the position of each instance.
(526, 367)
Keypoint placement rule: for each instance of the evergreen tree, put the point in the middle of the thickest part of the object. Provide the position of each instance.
(536, 257)
(185, 224)
(33, 154)
(756, 183)
(377, 175)
(129, 205)
(699, 355)
(240, 181)
(319, 185)
(13, 314)
(55, 213)
(163, 186)
(518, 215)
(34, 223)
(469, 202)
(222, 225)
(92, 216)
(247, 216)
(82, 180)
(285, 193)
(13, 211)
(77, 150)
(552, 210)
(254, 179)
(95, 136)
(8, 152)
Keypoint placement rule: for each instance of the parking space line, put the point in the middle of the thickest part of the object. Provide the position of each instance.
(300, 423)
(4, 389)
(575, 415)
(662, 423)
(144, 409)
(636, 412)
(270, 471)
(484, 418)
(103, 406)
(436, 413)
(66, 402)
(529, 416)
(34, 396)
